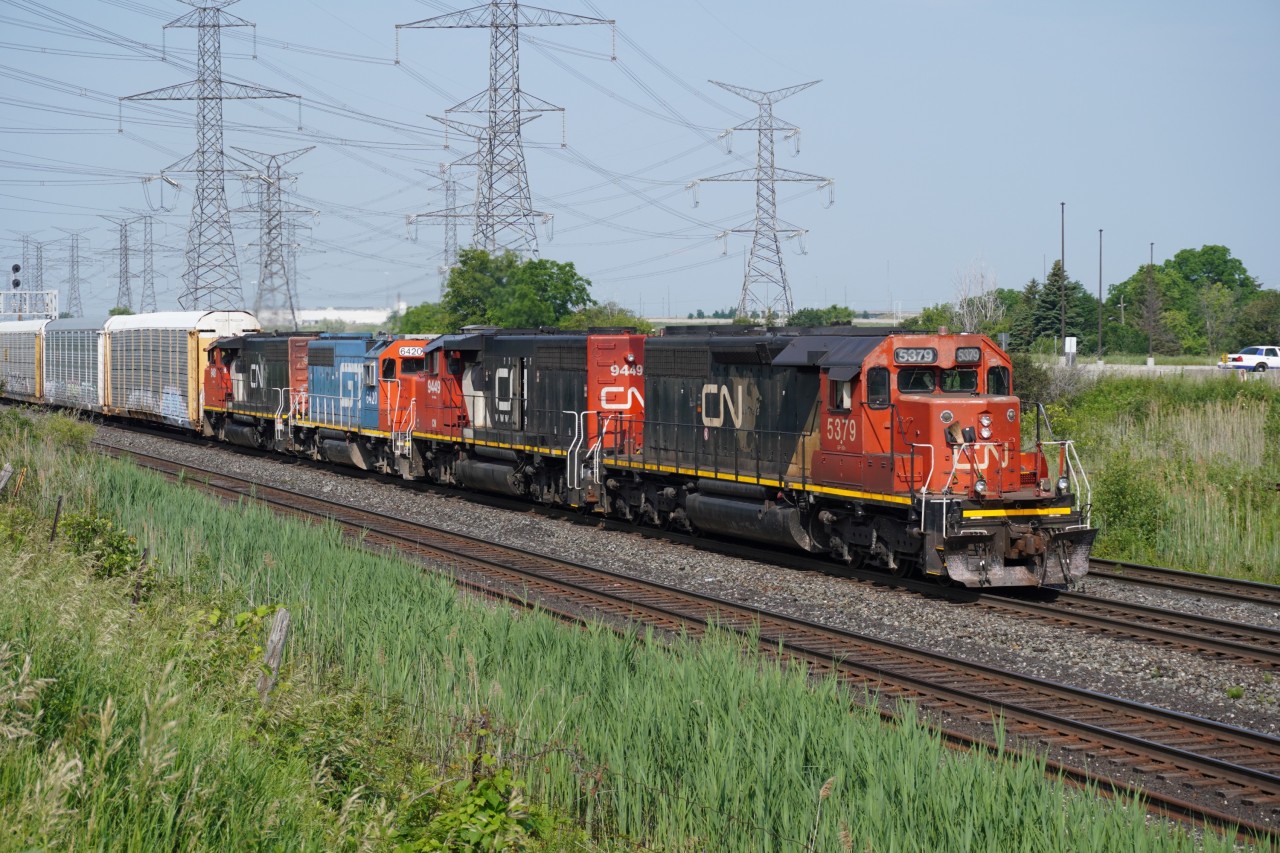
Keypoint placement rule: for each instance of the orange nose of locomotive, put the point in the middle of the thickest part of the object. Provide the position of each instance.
(977, 444)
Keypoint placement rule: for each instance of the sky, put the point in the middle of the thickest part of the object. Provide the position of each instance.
(953, 131)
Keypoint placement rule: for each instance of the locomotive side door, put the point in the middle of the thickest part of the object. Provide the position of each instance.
(839, 460)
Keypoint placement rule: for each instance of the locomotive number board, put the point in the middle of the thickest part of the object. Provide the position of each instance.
(915, 355)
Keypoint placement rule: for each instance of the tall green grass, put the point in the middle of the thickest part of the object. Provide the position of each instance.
(1186, 473)
(685, 745)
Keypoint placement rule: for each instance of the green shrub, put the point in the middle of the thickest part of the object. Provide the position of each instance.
(67, 433)
(114, 551)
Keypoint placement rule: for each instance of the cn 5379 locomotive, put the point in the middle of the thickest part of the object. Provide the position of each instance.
(898, 450)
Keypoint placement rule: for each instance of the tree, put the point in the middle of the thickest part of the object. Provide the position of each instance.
(1037, 317)
(119, 311)
(977, 307)
(821, 316)
(606, 316)
(427, 318)
(508, 292)
(1260, 325)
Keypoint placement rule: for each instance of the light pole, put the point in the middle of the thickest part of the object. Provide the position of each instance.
(1151, 310)
(1062, 262)
(1099, 296)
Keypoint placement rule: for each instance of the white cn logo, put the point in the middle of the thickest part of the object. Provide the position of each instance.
(723, 403)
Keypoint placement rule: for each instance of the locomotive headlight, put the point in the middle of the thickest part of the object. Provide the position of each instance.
(1063, 484)
(980, 488)
(985, 432)
(984, 419)
(1011, 415)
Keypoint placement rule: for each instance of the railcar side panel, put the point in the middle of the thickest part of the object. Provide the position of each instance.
(21, 359)
(74, 364)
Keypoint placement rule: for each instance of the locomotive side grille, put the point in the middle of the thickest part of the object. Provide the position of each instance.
(562, 357)
(741, 355)
(676, 361)
(277, 352)
(320, 356)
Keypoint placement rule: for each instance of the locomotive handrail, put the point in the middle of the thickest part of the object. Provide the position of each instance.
(573, 476)
(1075, 472)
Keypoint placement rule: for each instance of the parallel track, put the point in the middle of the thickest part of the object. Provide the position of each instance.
(1233, 589)
(1204, 758)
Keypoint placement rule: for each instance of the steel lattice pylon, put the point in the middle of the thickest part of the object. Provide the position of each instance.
(765, 282)
(73, 307)
(504, 214)
(124, 291)
(276, 299)
(211, 279)
(449, 214)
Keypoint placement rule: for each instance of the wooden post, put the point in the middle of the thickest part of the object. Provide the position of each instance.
(57, 514)
(275, 651)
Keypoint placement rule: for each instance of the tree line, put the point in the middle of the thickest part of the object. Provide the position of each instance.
(1199, 302)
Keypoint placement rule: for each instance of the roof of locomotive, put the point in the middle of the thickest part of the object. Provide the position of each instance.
(827, 347)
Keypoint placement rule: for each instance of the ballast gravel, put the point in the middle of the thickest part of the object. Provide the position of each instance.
(1240, 695)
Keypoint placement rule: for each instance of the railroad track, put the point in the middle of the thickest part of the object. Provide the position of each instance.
(1210, 763)
(1251, 592)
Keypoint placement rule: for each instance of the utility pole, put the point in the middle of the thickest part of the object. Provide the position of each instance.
(276, 300)
(504, 209)
(1099, 296)
(1150, 310)
(1062, 293)
(765, 280)
(211, 279)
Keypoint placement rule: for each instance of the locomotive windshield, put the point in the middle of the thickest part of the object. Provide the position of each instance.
(927, 380)
(960, 380)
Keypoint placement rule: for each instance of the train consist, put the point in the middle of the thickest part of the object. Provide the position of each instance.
(899, 450)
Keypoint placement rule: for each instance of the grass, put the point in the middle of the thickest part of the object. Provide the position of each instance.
(1186, 473)
(396, 687)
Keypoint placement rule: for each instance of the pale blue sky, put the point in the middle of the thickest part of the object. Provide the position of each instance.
(953, 131)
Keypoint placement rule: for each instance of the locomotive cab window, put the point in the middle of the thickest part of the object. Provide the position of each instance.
(412, 365)
(388, 368)
(841, 395)
(431, 362)
(370, 374)
(960, 380)
(916, 380)
(998, 380)
(878, 387)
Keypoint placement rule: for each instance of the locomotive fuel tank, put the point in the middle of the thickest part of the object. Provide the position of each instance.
(759, 522)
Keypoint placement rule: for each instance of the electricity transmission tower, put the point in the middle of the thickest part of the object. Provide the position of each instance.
(74, 308)
(276, 299)
(211, 279)
(147, 302)
(764, 286)
(504, 212)
(124, 291)
(449, 214)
